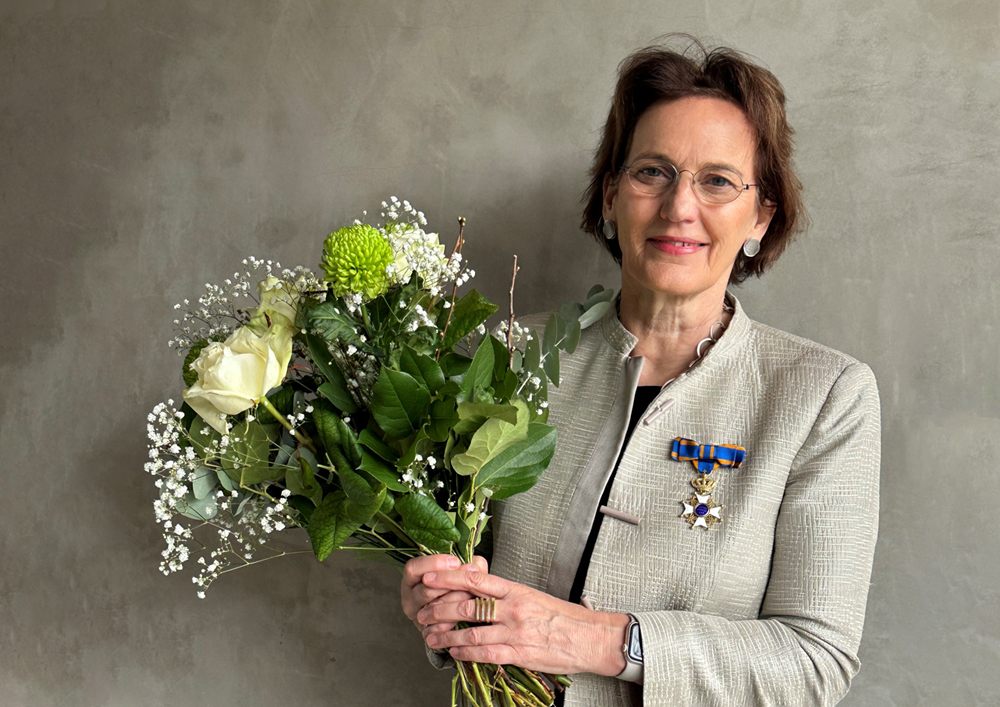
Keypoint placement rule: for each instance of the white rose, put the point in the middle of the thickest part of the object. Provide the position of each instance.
(278, 303)
(233, 376)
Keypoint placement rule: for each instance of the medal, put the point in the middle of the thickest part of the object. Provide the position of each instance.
(700, 510)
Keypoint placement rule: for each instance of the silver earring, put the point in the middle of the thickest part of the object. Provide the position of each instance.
(751, 247)
(610, 232)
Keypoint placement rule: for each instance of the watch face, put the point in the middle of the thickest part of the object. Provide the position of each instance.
(635, 644)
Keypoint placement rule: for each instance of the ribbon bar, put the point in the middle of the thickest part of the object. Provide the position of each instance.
(706, 458)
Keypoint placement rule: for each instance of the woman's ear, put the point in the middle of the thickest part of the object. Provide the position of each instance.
(610, 192)
(765, 212)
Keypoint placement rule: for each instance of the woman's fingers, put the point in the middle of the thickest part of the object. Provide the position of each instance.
(415, 569)
(478, 583)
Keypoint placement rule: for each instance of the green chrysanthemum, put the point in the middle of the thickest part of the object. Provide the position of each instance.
(355, 259)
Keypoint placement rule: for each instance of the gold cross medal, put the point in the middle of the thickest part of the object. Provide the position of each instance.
(700, 510)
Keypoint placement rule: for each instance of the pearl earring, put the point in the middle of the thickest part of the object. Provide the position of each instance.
(610, 232)
(751, 247)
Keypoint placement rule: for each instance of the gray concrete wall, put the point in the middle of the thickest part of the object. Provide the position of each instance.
(147, 147)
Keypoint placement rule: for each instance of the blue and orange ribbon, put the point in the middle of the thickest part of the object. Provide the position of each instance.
(707, 457)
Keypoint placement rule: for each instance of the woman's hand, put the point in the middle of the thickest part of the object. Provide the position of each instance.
(415, 595)
(533, 630)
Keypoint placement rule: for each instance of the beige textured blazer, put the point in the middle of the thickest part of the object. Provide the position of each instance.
(764, 608)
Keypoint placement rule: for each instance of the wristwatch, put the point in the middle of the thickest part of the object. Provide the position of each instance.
(632, 650)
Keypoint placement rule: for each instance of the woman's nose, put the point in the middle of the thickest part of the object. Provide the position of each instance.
(680, 203)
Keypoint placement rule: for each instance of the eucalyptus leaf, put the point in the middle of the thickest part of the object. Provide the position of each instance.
(399, 402)
(198, 509)
(572, 336)
(594, 314)
(224, 480)
(202, 435)
(532, 355)
(204, 481)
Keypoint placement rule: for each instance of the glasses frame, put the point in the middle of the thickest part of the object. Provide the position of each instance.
(627, 170)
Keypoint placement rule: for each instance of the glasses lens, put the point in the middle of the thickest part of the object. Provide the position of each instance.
(718, 186)
(651, 176)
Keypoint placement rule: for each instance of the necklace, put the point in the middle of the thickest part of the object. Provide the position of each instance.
(705, 344)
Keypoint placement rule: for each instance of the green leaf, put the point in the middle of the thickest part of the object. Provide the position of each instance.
(198, 509)
(597, 294)
(191, 375)
(301, 481)
(518, 467)
(333, 322)
(469, 312)
(454, 364)
(480, 373)
(444, 416)
(335, 387)
(515, 361)
(501, 358)
(282, 399)
(381, 471)
(224, 480)
(570, 311)
(423, 368)
(368, 439)
(327, 527)
(532, 355)
(473, 415)
(572, 336)
(426, 522)
(246, 459)
(204, 481)
(326, 419)
(399, 403)
(202, 436)
(505, 389)
(349, 443)
(594, 314)
(493, 437)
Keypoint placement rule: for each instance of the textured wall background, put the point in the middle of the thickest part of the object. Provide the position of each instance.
(148, 146)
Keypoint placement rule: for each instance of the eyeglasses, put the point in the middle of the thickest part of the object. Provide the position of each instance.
(714, 185)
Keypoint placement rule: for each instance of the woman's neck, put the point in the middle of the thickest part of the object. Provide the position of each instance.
(669, 328)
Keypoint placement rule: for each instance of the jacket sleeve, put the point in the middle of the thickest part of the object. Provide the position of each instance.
(802, 649)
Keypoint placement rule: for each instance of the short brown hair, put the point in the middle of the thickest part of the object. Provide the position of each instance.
(656, 73)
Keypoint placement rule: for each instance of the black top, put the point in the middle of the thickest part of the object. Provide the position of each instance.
(644, 395)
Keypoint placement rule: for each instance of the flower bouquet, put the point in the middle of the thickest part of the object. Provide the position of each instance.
(367, 405)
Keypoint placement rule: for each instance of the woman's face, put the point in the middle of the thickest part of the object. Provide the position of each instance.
(675, 243)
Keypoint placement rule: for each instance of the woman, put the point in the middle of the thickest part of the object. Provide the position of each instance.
(750, 588)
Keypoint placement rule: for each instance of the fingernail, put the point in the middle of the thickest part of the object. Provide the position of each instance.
(432, 640)
(471, 568)
(430, 577)
(453, 562)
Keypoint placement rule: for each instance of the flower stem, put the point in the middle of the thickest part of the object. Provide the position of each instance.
(302, 437)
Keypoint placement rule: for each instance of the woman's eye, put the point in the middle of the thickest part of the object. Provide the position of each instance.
(653, 173)
(717, 180)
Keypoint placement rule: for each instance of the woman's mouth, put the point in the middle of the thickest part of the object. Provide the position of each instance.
(676, 246)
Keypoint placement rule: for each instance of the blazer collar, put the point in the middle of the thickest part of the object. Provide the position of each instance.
(623, 341)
